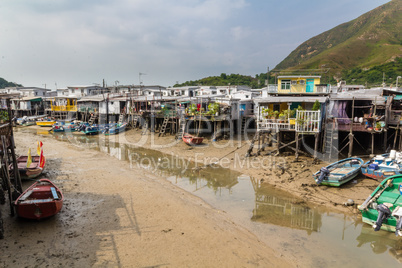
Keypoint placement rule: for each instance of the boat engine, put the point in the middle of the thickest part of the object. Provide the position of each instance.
(383, 213)
(324, 172)
(397, 213)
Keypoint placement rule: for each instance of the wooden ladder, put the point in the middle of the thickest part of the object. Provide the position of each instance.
(164, 125)
(92, 119)
(331, 136)
(144, 132)
(121, 118)
(243, 124)
(134, 122)
(182, 128)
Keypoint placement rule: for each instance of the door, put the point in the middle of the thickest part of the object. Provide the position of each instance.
(242, 109)
(309, 85)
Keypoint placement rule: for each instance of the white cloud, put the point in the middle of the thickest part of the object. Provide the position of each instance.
(78, 42)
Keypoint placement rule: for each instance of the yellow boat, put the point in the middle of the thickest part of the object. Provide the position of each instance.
(45, 123)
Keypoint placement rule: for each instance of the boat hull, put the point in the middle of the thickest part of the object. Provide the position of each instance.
(192, 140)
(41, 200)
(28, 173)
(381, 167)
(116, 129)
(385, 193)
(341, 172)
(45, 123)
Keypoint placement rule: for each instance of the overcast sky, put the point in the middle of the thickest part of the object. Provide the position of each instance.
(82, 42)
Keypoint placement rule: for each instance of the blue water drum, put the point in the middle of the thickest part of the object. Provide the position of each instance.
(373, 166)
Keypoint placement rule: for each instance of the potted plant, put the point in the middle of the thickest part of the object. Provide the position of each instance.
(265, 112)
(283, 116)
(213, 108)
(316, 106)
(192, 109)
(378, 126)
(3, 116)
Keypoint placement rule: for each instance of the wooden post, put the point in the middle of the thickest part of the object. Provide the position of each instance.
(351, 129)
(351, 136)
(278, 141)
(316, 136)
(372, 143)
(297, 146)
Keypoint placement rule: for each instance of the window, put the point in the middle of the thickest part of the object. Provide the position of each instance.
(302, 82)
(285, 84)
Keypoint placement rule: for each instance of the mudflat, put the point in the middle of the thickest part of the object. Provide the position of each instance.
(115, 215)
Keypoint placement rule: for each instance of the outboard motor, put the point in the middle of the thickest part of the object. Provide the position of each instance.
(81, 127)
(383, 213)
(324, 172)
(397, 213)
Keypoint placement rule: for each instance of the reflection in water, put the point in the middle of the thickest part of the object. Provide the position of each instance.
(274, 207)
(381, 242)
(270, 209)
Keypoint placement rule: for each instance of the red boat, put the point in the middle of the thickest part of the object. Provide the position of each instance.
(41, 200)
(34, 169)
(192, 140)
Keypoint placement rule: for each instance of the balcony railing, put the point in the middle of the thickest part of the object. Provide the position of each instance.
(308, 121)
(276, 124)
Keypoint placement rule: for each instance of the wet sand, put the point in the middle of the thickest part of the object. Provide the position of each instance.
(115, 215)
(281, 171)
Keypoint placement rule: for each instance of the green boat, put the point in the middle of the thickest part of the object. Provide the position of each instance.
(383, 208)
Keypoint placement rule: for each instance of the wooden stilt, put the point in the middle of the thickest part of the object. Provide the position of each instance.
(278, 141)
(316, 136)
(350, 144)
(297, 146)
(372, 143)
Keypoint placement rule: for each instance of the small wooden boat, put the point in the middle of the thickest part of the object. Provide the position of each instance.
(41, 200)
(29, 120)
(116, 129)
(62, 126)
(339, 173)
(192, 140)
(383, 166)
(91, 130)
(383, 208)
(45, 122)
(34, 169)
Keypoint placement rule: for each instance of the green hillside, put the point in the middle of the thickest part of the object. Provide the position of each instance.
(232, 79)
(4, 83)
(373, 39)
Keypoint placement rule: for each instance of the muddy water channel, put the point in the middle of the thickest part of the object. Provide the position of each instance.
(309, 235)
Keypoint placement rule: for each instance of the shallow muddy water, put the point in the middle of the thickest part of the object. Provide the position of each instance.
(309, 235)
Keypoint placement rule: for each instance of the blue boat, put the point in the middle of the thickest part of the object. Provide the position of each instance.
(64, 126)
(116, 129)
(383, 166)
(339, 173)
(94, 129)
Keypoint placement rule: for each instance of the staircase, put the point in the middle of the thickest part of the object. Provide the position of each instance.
(164, 125)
